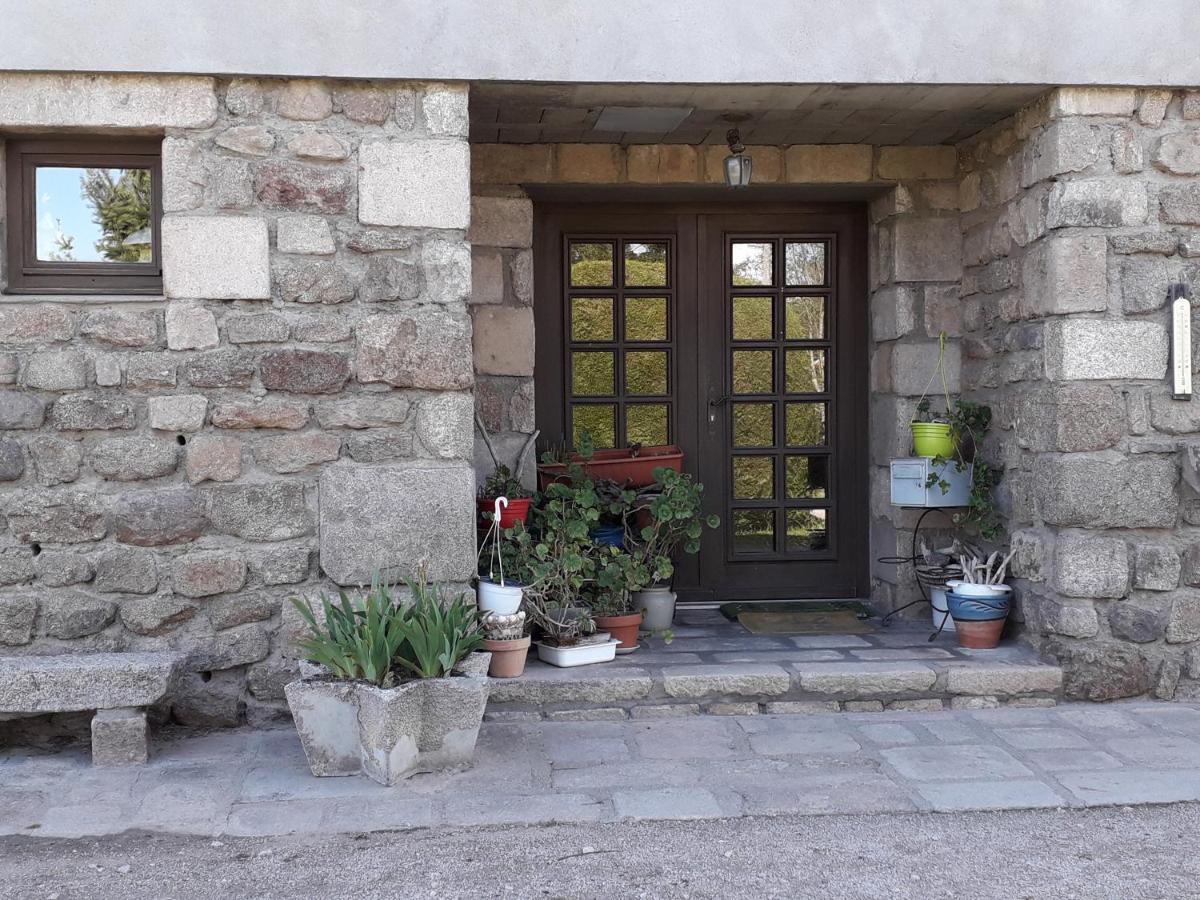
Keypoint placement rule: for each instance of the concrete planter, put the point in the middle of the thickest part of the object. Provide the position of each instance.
(387, 734)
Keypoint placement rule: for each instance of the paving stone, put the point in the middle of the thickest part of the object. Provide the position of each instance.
(794, 741)
(822, 793)
(827, 641)
(601, 714)
(500, 810)
(954, 762)
(801, 707)
(733, 678)
(1132, 785)
(543, 685)
(887, 734)
(700, 738)
(665, 711)
(995, 680)
(667, 803)
(1160, 751)
(1043, 738)
(864, 679)
(1011, 793)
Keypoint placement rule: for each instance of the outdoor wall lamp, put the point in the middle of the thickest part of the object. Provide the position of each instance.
(737, 164)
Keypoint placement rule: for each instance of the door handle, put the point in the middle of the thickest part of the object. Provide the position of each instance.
(715, 403)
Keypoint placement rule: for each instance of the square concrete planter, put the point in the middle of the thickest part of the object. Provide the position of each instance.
(387, 734)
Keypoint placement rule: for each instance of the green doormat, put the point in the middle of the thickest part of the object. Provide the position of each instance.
(796, 617)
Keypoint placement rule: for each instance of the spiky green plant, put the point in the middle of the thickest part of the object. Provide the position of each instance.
(359, 638)
(437, 634)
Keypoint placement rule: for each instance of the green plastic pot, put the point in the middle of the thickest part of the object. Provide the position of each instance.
(932, 439)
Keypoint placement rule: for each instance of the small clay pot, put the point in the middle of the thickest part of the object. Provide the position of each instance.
(979, 635)
(623, 628)
(508, 657)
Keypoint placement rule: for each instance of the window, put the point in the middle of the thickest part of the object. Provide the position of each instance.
(619, 303)
(83, 217)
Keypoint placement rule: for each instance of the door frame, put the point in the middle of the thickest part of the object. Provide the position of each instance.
(687, 220)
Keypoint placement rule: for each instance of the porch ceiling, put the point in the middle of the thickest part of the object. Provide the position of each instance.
(508, 112)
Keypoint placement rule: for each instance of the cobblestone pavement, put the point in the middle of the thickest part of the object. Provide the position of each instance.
(702, 767)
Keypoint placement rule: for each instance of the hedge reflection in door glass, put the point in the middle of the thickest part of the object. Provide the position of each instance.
(753, 530)
(807, 530)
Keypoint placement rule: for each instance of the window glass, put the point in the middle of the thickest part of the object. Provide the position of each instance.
(753, 264)
(805, 263)
(591, 264)
(645, 265)
(93, 215)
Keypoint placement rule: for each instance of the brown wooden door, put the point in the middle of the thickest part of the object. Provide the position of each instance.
(738, 333)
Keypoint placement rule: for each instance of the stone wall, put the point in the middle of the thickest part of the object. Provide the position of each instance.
(1077, 215)
(295, 411)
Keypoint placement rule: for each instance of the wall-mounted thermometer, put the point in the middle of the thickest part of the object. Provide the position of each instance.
(1179, 296)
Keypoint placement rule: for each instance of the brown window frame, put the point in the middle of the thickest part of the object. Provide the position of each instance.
(29, 275)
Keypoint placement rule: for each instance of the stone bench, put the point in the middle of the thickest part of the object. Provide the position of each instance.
(118, 686)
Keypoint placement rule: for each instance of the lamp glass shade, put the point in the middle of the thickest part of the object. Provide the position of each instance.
(737, 170)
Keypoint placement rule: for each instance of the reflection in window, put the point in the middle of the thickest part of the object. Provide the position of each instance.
(807, 477)
(93, 215)
(598, 420)
(753, 318)
(591, 264)
(645, 265)
(753, 477)
(805, 318)
(646, 423)
(807, 530)
(753, 264)
(646, 372)
(805, 264)
(592, 374)
(592, 319)
(753, 424)
(753, 371)
(805, 371)
(753, 530)
(806, 424)
(645, 318)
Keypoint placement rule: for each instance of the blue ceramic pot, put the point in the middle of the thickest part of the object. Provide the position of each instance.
(978, 609)
(609, 535)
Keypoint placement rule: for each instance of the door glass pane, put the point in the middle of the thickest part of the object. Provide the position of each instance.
(753, 424)
(591, 264)
(753, 530)
(646, 372)
(598, 420)
(753, 371)
(646, 265)
(805, 263)
(805, 371)
(753, 318)
(592, 319)
(753, 477)
(645, 318)
(753, 264)
(93, 215)
(806, 424)
(806, 530)
(646, 423)
(804, 318)
(807, 477)
(592, 374)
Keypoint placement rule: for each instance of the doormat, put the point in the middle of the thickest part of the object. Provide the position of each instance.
(822, 617)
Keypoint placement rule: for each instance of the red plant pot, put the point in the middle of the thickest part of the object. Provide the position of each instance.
(516, 511)
(621, 466)
(623, 629)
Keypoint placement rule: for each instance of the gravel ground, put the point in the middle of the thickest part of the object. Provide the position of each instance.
(1122, 852)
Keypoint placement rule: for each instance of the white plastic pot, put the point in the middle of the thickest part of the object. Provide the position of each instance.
(966, 589)
(578, 654)
(503, 600)
(941, 612)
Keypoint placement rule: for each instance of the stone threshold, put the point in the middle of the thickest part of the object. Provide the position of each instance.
(717, 668)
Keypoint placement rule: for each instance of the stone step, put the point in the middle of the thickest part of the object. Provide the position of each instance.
(655, 686)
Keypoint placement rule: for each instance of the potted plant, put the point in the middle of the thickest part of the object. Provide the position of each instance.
(668, 520)
(503, 483)
(980, 602)
(508, 643)
(392, 687)
(610, 600)
(631, 467)
(568, 635)
(495, 593)
(931, 432)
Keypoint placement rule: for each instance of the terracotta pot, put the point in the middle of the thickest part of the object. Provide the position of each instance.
(621, 466)
(983, 635)
(508, 657)
(516, 511)
(623, 628)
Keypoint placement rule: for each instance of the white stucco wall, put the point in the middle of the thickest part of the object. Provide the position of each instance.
(780, 41)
